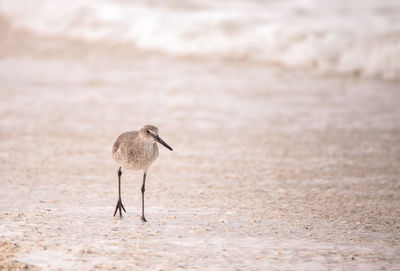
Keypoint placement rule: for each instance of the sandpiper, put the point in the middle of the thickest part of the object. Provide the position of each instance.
(136, 150)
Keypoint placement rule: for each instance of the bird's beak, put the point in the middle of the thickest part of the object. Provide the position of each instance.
(159, 140)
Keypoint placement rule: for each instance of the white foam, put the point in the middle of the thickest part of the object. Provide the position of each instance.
(346, 37)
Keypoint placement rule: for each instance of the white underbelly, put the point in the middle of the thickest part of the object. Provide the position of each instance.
(136, 162)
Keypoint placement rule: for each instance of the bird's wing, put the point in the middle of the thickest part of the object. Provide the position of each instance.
(124, 139)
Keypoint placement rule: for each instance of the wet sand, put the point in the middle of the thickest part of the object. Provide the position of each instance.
(271, 169)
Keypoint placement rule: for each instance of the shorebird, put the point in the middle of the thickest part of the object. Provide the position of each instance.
(136, 150)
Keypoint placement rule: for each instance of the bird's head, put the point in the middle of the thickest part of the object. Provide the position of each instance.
(150, 132)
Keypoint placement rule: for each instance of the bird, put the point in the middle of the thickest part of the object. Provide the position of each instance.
(136, 150)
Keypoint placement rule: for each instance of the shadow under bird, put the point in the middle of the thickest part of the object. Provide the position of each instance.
(136, 150)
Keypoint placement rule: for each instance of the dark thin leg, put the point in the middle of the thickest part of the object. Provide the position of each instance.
(119, 203)
(143, 189)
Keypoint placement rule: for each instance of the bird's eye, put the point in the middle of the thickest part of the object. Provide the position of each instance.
(147, 132)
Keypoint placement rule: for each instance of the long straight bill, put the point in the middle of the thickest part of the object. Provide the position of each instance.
(159, 140)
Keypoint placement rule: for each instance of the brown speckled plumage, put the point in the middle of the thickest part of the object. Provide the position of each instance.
(132, 151)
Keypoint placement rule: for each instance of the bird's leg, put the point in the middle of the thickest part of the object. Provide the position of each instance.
(143, 189)
(119, 203)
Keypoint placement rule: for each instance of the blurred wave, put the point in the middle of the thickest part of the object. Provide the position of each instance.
(358, 37)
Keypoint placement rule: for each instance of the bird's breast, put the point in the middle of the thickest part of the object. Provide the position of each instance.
(151, 152)
(136, 156)
(142, 157)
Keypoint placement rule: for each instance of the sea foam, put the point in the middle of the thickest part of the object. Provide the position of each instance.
(359, 37)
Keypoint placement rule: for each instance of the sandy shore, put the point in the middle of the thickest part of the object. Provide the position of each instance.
(271, 169)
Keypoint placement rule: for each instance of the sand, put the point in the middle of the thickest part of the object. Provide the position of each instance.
(272, 169)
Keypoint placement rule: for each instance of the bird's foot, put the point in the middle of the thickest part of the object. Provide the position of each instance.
(144, 219)
(119, 207)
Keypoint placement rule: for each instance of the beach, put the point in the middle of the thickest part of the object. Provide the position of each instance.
(275, 166)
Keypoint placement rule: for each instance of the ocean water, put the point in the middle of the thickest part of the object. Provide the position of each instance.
(357, 38)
